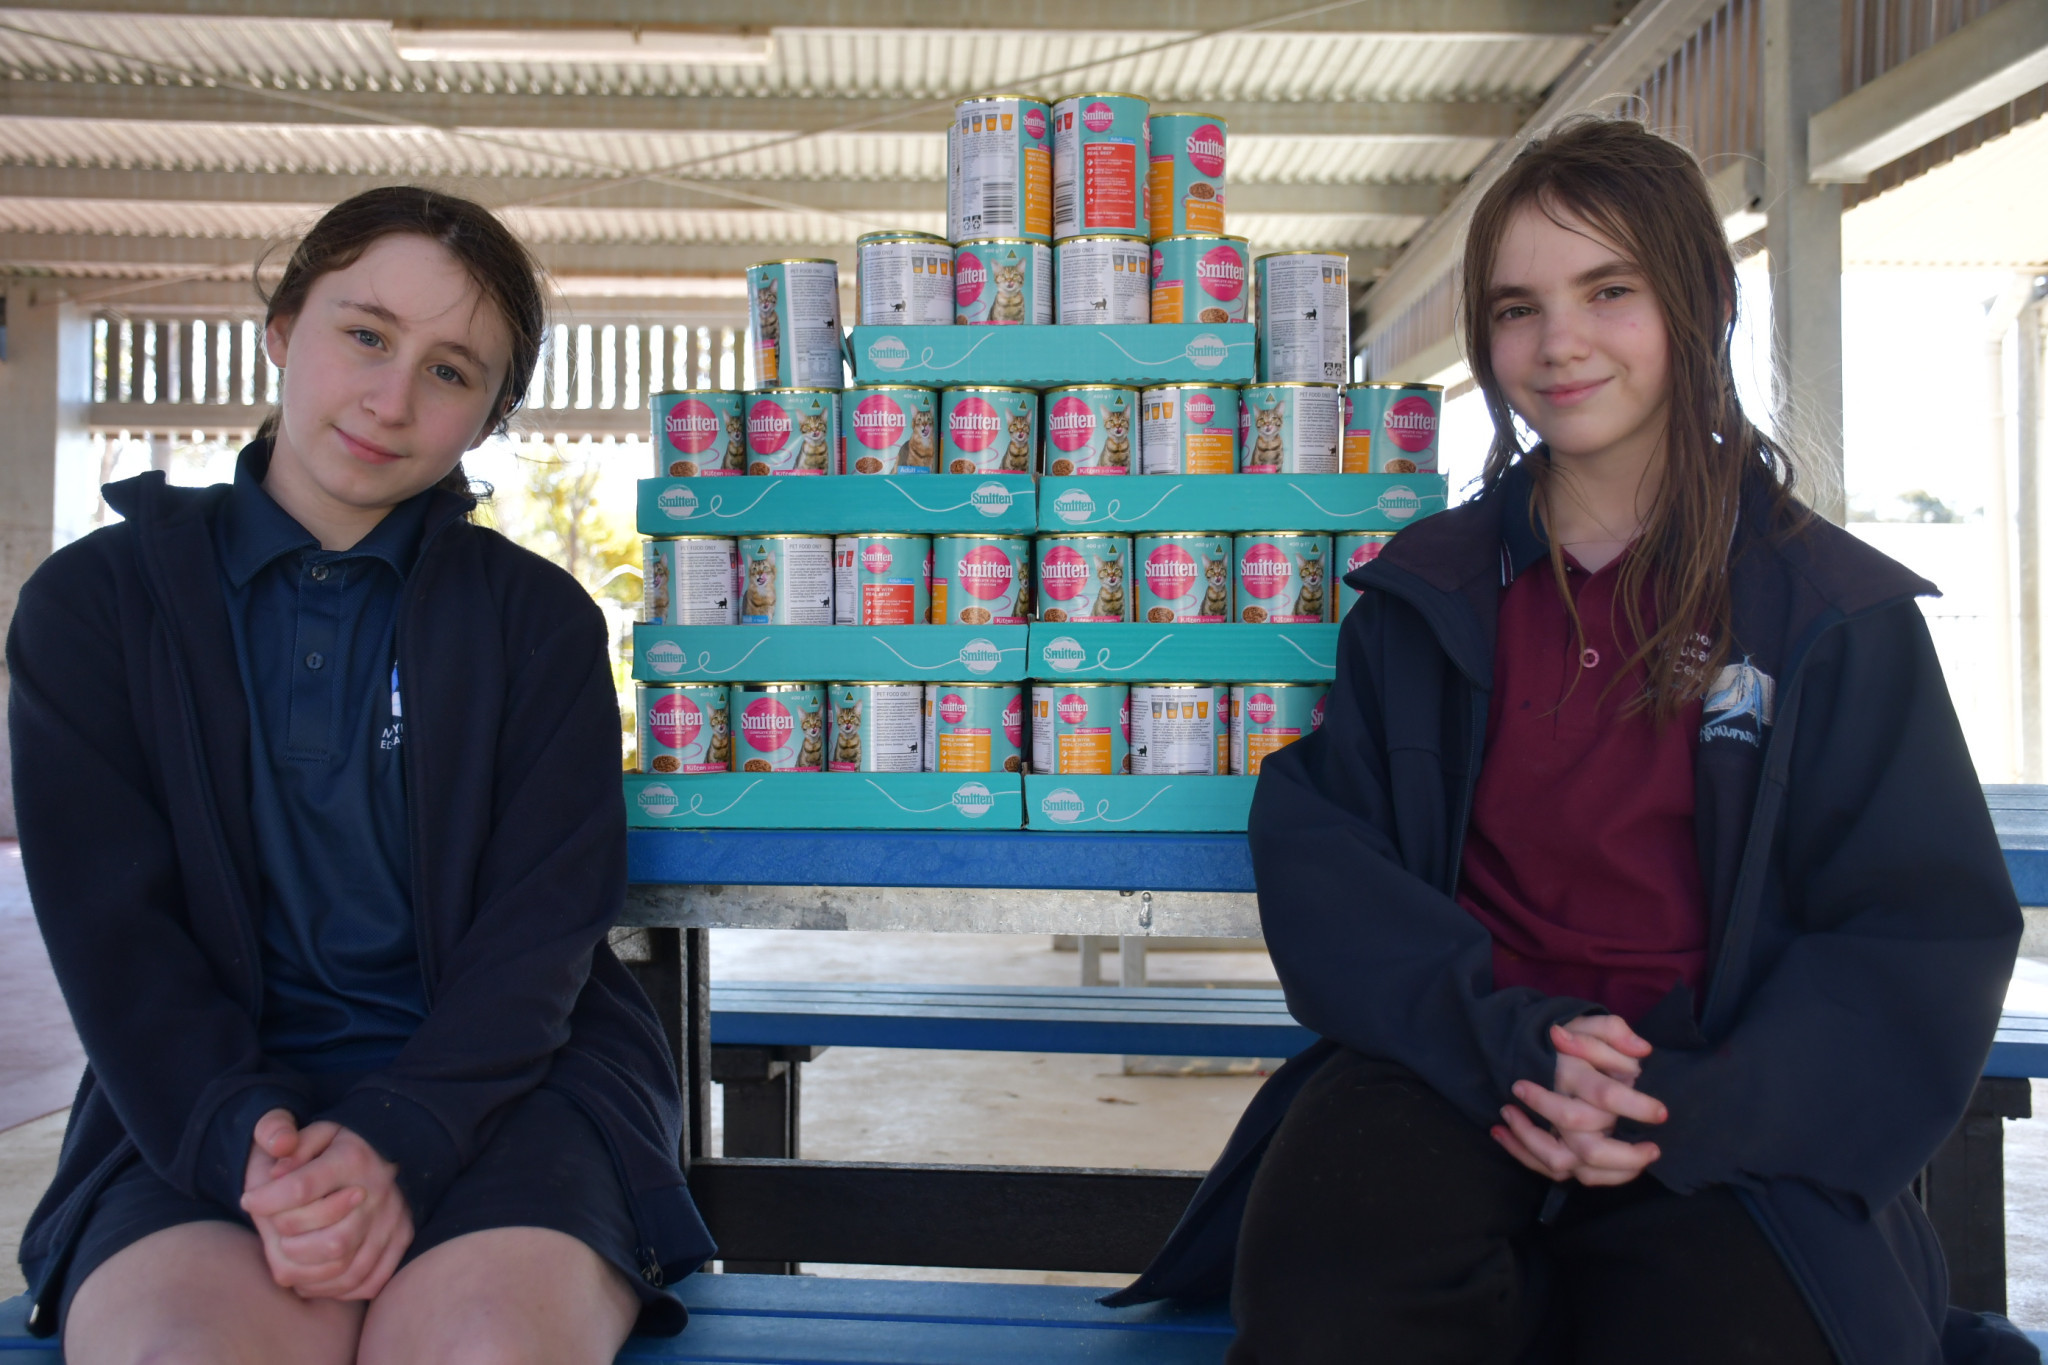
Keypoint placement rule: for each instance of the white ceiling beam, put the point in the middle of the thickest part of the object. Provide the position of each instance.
(227, 103)
(1485, 18)
(1617, 65)
(93, 253)
(825, 196)
(238, 298)
(1989, 62)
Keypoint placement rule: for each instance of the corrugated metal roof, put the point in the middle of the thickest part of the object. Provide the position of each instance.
(920, 63)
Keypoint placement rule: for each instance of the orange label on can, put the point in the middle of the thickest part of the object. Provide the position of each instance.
(964, 751)
(1211, 452)
(1085, 751)
(765, 356)
(1038, 191)
(938, 602)
(1257, 746)
(1159, 193)
(1166, 305)
(1357, 453)
(1204, 215)
(888, 604)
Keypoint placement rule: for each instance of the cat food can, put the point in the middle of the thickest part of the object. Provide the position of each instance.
(780, 726)
(1173, 728)
(684, 728)
(973, 727)
(1201, 279)
(1083, 578)
(988, 429)
(1088, 429)
(1184, 184)
(981, 580)
(1183, 576)
(690, 581)
(1100, 157)
(1190, 429)
(1003, 283)
(888, 429)
(999, 169)
(1283, 577)
(698, 433)
(1288, 429)
(1269, 716)
(1355, 550)
(1304, 317)
(881, 579)
(1080, 728)
(794, 312)
(877, 727)
(903, 279)
(785, 580)
(1104, 280)
(1390, 428)
(793, 431)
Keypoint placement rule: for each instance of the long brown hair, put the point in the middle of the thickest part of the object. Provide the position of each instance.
(1648, 198)
(504, 271)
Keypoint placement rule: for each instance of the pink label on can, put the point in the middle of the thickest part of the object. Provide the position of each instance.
(1315, 716)
(1205, 150)
(692, 426)
(972, 424)
(1265, 570)
(1220, 272)
(1411, 422)
(767, 724)
(1073, 708)
(1071, 423)
(1170, 572)
(1034, 124)
(1364, 554)
(675, 720)
(1063, 573)
(952, 708)
(878, 422)
(1098, 117)
(876, 558)
(1013, 721)
(986, 572)
(1201, 408)
(1259, 706)
(969, 275)
(768, 427)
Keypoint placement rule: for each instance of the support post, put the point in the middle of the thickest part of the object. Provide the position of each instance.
(763, 1115)
(1130, 961)
(45, 390)
(1963, 1190)
(696, 1053)
(1803, 75)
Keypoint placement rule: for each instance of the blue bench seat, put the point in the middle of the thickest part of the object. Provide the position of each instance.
(802, 1320)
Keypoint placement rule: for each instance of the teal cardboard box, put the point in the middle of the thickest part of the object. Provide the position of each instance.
(829, 653)
(1042, 357)
(917, 503)
(1197, 653)
(1239, 502)
(1066, 801)
(826, 801)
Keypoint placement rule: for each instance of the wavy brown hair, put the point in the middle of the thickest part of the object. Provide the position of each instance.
(1648, 198)
(503, 270)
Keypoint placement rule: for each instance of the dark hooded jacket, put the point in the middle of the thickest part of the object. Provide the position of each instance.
(130, 731)
(1862, 922)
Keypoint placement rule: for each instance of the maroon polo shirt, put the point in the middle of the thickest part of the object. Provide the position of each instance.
(1580, 857)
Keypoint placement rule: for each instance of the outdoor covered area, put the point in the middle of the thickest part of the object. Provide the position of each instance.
(918, 1064)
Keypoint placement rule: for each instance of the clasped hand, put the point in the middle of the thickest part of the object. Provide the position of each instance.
(1599, 1058)
(333, 1221)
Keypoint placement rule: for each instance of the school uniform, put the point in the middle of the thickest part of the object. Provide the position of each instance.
(338, 832)
(1819, 1022)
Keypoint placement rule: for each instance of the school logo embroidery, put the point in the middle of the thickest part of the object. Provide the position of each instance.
(1740, 705)
(393, 735)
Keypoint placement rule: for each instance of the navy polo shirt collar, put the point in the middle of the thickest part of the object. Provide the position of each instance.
(256, 532)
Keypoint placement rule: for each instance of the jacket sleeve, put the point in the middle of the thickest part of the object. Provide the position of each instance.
(550, 882)
(176, 1056)
(1861, 1036)
(1347, 830)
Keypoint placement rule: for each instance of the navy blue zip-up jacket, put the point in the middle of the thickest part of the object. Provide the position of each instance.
(1862, 922)
(131, 752)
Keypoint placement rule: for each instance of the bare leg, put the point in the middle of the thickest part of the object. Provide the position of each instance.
(504, 1296)
(201, 1293)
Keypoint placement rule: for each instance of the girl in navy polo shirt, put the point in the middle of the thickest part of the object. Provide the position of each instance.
(320, 811)
(1638, 883)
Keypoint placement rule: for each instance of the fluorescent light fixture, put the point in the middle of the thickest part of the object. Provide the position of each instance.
(653, 46)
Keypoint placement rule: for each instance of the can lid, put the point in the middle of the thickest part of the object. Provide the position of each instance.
(1103, 94)
(1192, 384)
(1205, 237)
(1332, 255)
(692, 393)
(773, 686)
(877, 682)
(983, 99)
(898, 235)
(974, 684)
(795, 260)
(1295, 384)
(1192, 113)
(889, 388)
(984, 388)
(978, 535)
(1102, 237)
(663, 540)
(764, 393)
(1091, 388)
(998, 241)
(880, 535)
(1395, 384)
(783, 535)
